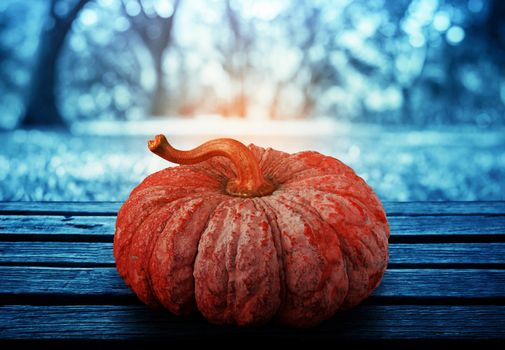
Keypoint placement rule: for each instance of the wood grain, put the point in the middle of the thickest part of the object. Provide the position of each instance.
(85, 253)
(373, 322)
(445, 281)
(391, 208)
(105, 225)
(399, 283)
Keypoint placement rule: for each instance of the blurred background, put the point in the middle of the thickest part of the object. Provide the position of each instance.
(410, 93)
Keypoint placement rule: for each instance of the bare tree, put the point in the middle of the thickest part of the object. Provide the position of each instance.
(41, 101)
(235, 59)
(155, 32)
(302, 17)
(6, 53)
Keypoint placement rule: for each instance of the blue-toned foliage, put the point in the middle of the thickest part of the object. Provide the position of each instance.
(420, 82)
(419, 62)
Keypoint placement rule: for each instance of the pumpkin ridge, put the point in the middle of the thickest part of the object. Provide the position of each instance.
(352, 237)
(345, 249)
(256, 282)
(207, 297)
(281, 165)
(315, 212)
(122, 214)
(220, 169)
(123, 266)
(344, 197)
(166, 177)
(143, 271)
(147, 270)
(225, 169)
(153, 242)
(304, 309)
(309, 161)
(349, 191)
(262, 155)
(121, 244)
(155, 198)
(269, 159)
(185, 225)
(157, 194)
(268, 211)
(158, 198)
(230, 263)
(241, 283)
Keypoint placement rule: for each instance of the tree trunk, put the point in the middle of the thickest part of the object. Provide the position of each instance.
(159, 103)
(41, 108)
(41, 100)
(407, 105)
(156, 47)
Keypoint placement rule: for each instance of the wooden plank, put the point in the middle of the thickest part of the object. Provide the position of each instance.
(392, 208)
(105, 225)
(398, 283)
(447, 253)
(30, 224)
(444, 208)
(83, 253)
(60, 253)
(446, 225)
(366, 322)
(60, 208)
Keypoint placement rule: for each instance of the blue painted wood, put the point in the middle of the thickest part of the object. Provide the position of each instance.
(446, 280)
(82, 254)
(400, 225)
(399, 283)
(367, 322)
(391, 208)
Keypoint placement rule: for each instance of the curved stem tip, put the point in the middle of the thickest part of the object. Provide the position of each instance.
(249, 182)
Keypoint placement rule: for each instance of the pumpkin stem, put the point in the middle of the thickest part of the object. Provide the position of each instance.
(249, 182)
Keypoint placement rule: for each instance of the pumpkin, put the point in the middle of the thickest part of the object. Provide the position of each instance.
(247, 234)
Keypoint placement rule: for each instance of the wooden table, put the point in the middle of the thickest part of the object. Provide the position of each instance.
(445, 281)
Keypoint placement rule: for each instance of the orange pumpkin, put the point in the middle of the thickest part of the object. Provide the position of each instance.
(247, 234)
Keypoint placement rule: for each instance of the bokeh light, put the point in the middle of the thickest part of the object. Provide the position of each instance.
(410, 93)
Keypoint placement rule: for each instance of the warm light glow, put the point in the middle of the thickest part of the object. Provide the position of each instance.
(289, 135)
(214, 125)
